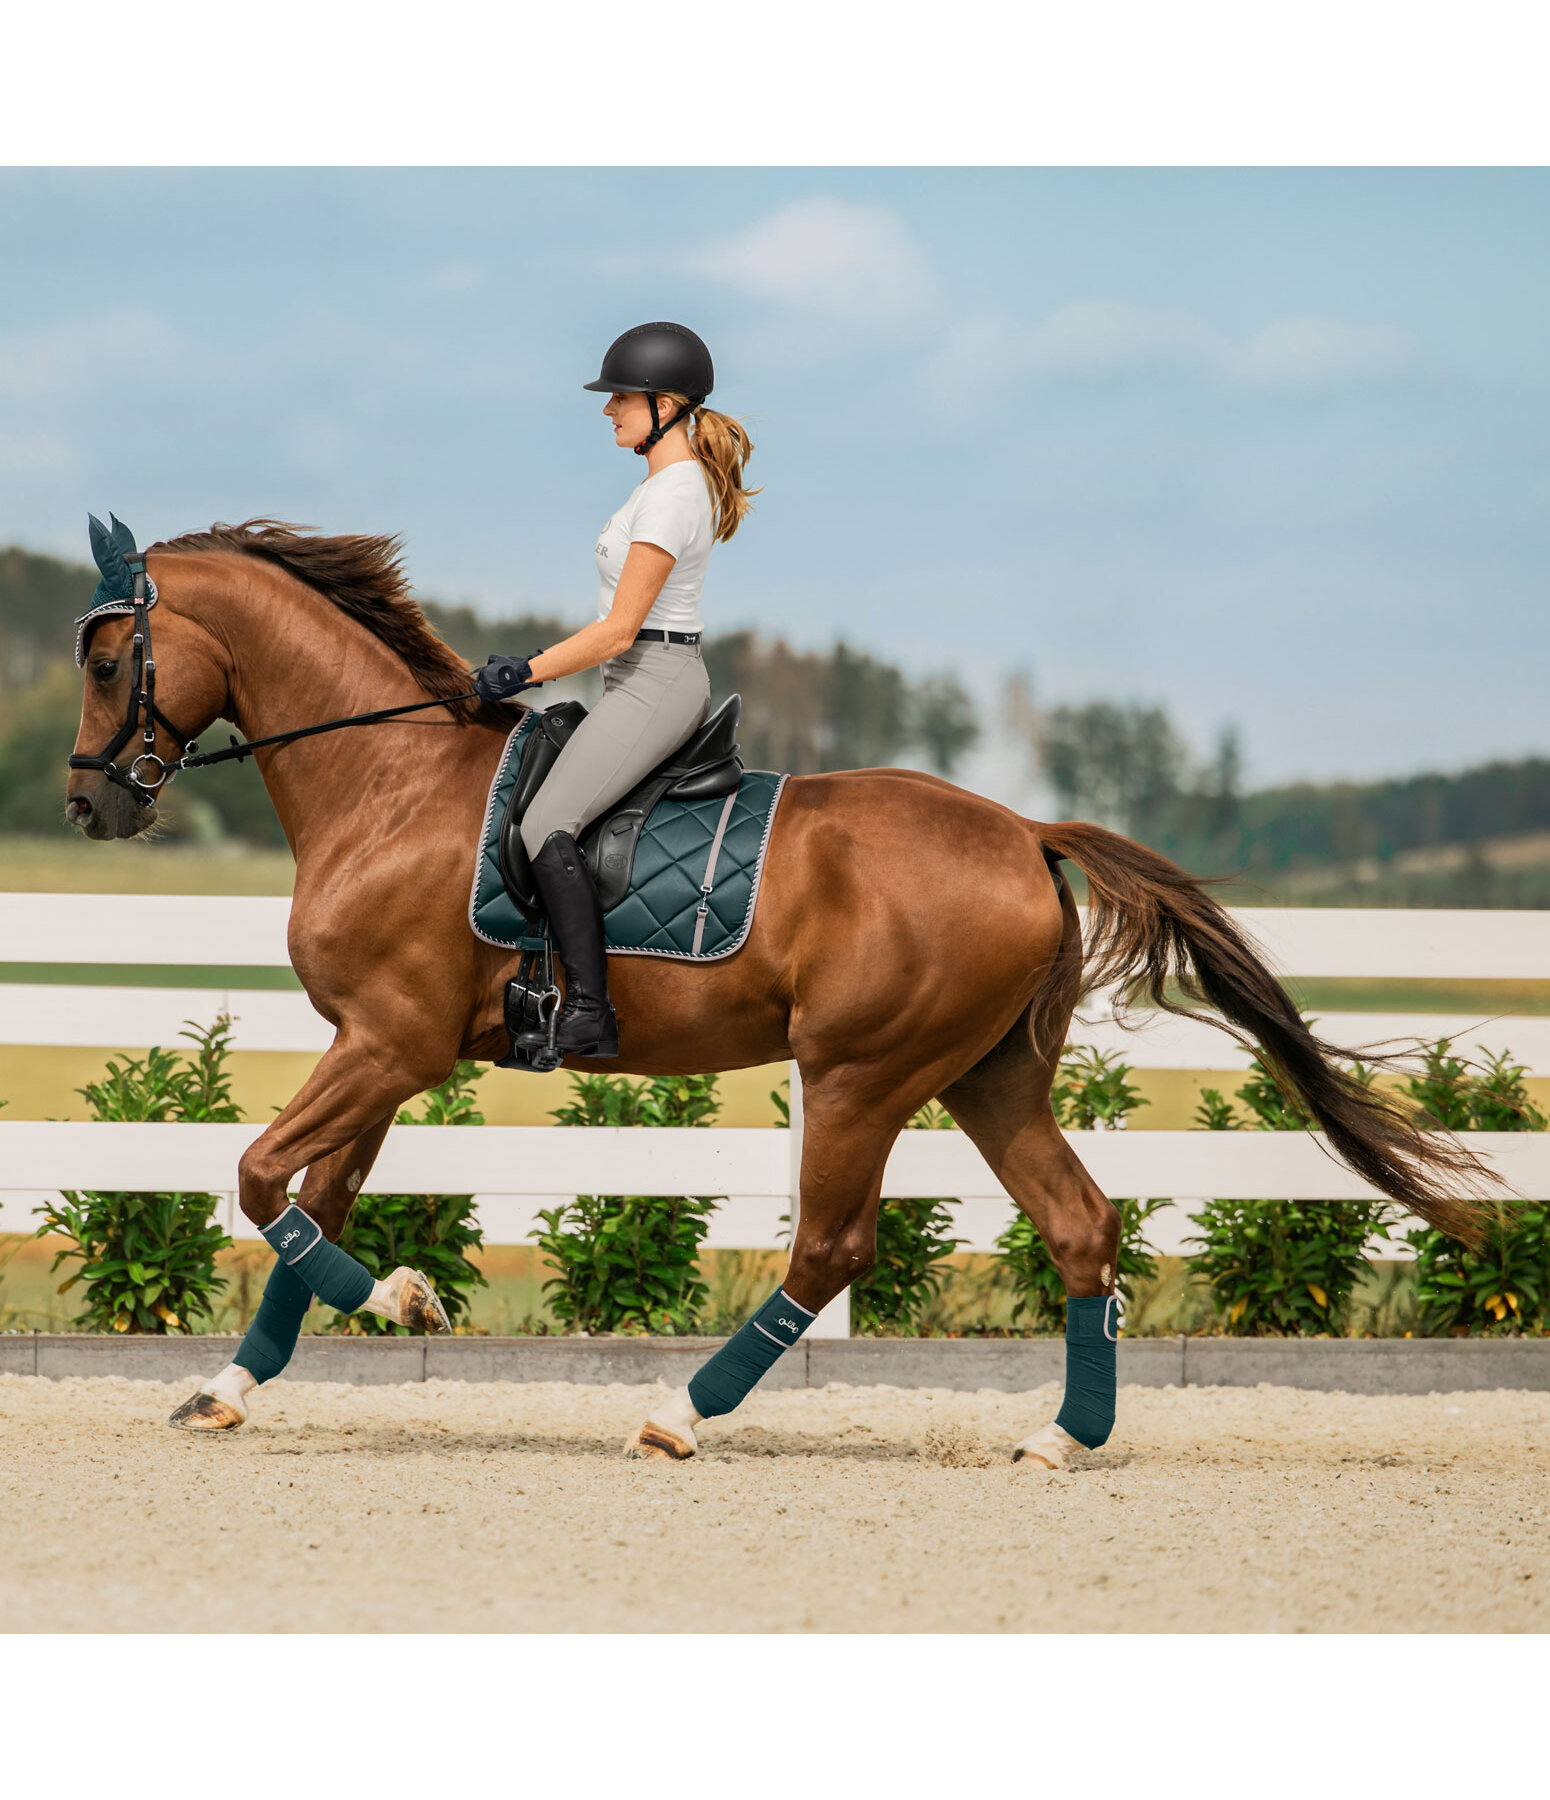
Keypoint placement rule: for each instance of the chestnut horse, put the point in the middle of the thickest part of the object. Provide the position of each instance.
(912, 941)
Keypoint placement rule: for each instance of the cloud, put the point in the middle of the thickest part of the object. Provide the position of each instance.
(452, 278)
(821, 275)
(830, 260)
(982, 353)
(1311, 351)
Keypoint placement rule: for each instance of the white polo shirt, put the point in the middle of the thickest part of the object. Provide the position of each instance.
(672, 510)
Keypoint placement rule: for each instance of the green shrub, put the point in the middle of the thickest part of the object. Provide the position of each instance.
(1506, 1288)
(1092, 1092)
(430, 1232)
(1279, 1267)
(1285, 1267)
(1214, 1113)
(148, 1260)
(1459, 1095)
(1503, 1291)
(630, 1262)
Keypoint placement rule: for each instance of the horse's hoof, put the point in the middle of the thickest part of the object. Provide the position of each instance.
(654, 1443)
(1047, 1452)
(418, 1305)
(206, 1412)
(1034, 1460)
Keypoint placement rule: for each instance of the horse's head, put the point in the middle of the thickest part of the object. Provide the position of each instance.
(142, 705)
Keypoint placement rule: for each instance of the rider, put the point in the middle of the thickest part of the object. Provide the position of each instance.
(651, 558)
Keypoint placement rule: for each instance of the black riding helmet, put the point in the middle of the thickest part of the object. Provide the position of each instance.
(653, 359)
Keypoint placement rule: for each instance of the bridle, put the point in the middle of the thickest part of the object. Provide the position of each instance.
(144, 715)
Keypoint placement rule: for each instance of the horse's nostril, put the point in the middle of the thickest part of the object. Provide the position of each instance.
(79, 808)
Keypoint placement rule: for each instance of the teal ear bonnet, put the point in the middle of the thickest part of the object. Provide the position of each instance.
(112, 548)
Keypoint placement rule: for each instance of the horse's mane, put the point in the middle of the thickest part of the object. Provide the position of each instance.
(363, 577)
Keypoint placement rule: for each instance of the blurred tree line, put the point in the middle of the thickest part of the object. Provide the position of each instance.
(1130, 768)
(803, 711)
(1125, 765)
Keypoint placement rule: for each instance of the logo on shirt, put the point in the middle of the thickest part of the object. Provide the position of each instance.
(600, 548)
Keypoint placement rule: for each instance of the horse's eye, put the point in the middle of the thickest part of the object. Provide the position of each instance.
(104, 671)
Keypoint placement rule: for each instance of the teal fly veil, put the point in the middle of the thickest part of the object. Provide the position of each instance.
(113, 549)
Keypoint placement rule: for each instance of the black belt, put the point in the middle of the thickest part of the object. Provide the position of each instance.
(667, 637)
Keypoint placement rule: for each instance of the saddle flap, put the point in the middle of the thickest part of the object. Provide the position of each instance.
(552, 731)
(705, 768)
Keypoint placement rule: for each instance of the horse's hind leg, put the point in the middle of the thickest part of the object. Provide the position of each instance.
(1003, 1104)
(328, 1192)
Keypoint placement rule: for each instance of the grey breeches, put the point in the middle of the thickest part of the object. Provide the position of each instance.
(655, 697)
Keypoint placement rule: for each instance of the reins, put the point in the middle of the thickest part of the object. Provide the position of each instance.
(142, 708)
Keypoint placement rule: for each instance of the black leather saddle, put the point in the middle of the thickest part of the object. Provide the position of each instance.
(703, 769)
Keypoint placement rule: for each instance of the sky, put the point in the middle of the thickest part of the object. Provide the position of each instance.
(1266, 446)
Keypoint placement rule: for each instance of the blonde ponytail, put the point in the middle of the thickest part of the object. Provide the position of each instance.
(721, 447)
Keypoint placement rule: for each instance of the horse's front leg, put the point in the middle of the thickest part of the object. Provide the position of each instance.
(320, 1131)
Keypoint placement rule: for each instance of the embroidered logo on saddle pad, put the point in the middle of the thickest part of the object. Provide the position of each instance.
(695, 882)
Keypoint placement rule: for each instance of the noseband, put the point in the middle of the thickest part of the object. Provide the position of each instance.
(144, 715)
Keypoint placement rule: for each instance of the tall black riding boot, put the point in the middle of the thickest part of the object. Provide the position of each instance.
(587, 1026)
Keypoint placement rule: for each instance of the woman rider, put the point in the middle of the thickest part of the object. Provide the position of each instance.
(651, 560)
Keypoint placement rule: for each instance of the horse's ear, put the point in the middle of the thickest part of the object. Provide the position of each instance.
(109, 549)
(123, 537)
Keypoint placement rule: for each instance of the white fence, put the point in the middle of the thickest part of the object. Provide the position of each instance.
(516, 1170)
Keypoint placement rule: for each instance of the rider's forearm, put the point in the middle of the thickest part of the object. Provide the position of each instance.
(585, 649)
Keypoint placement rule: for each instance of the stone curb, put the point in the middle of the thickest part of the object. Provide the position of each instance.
(1011, 1365)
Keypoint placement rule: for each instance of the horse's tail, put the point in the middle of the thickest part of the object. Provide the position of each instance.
(1150, 925)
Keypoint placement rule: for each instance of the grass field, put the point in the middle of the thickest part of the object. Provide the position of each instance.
(70, 864)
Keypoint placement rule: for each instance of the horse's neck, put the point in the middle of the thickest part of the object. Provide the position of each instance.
(298, 661)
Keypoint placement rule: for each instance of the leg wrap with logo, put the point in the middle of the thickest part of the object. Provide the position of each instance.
(1092, 1371)
(751, 1353)
(271, 1338)
(333, 1274)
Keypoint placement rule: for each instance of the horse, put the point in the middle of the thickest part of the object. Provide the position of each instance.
(912, 941)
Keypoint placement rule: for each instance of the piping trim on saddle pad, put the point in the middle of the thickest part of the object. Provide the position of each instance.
(487, 836)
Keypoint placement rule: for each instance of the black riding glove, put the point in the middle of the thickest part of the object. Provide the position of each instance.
(504, 677)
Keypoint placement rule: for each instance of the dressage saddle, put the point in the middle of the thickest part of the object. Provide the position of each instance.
(705, 768)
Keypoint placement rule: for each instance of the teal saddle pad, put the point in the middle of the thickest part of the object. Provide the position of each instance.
(666, 912)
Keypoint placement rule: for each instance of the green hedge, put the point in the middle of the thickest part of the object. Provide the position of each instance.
(634, 1263)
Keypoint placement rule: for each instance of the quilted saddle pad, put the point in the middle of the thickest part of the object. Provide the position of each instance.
(694, 885)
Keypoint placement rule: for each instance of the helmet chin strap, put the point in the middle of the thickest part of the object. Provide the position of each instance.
(658, 429)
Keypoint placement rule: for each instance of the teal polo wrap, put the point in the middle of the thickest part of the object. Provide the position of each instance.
(747, 1356)
(1092, 1368)
(333, 1274)
(271, 1338)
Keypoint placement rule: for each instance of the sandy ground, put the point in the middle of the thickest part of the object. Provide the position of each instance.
(497, 1507)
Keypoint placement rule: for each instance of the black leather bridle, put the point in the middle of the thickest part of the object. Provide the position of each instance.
(144, 715)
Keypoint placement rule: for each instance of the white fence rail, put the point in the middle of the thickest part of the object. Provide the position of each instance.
(516, 1170)
(216, 931)
(250, 930)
